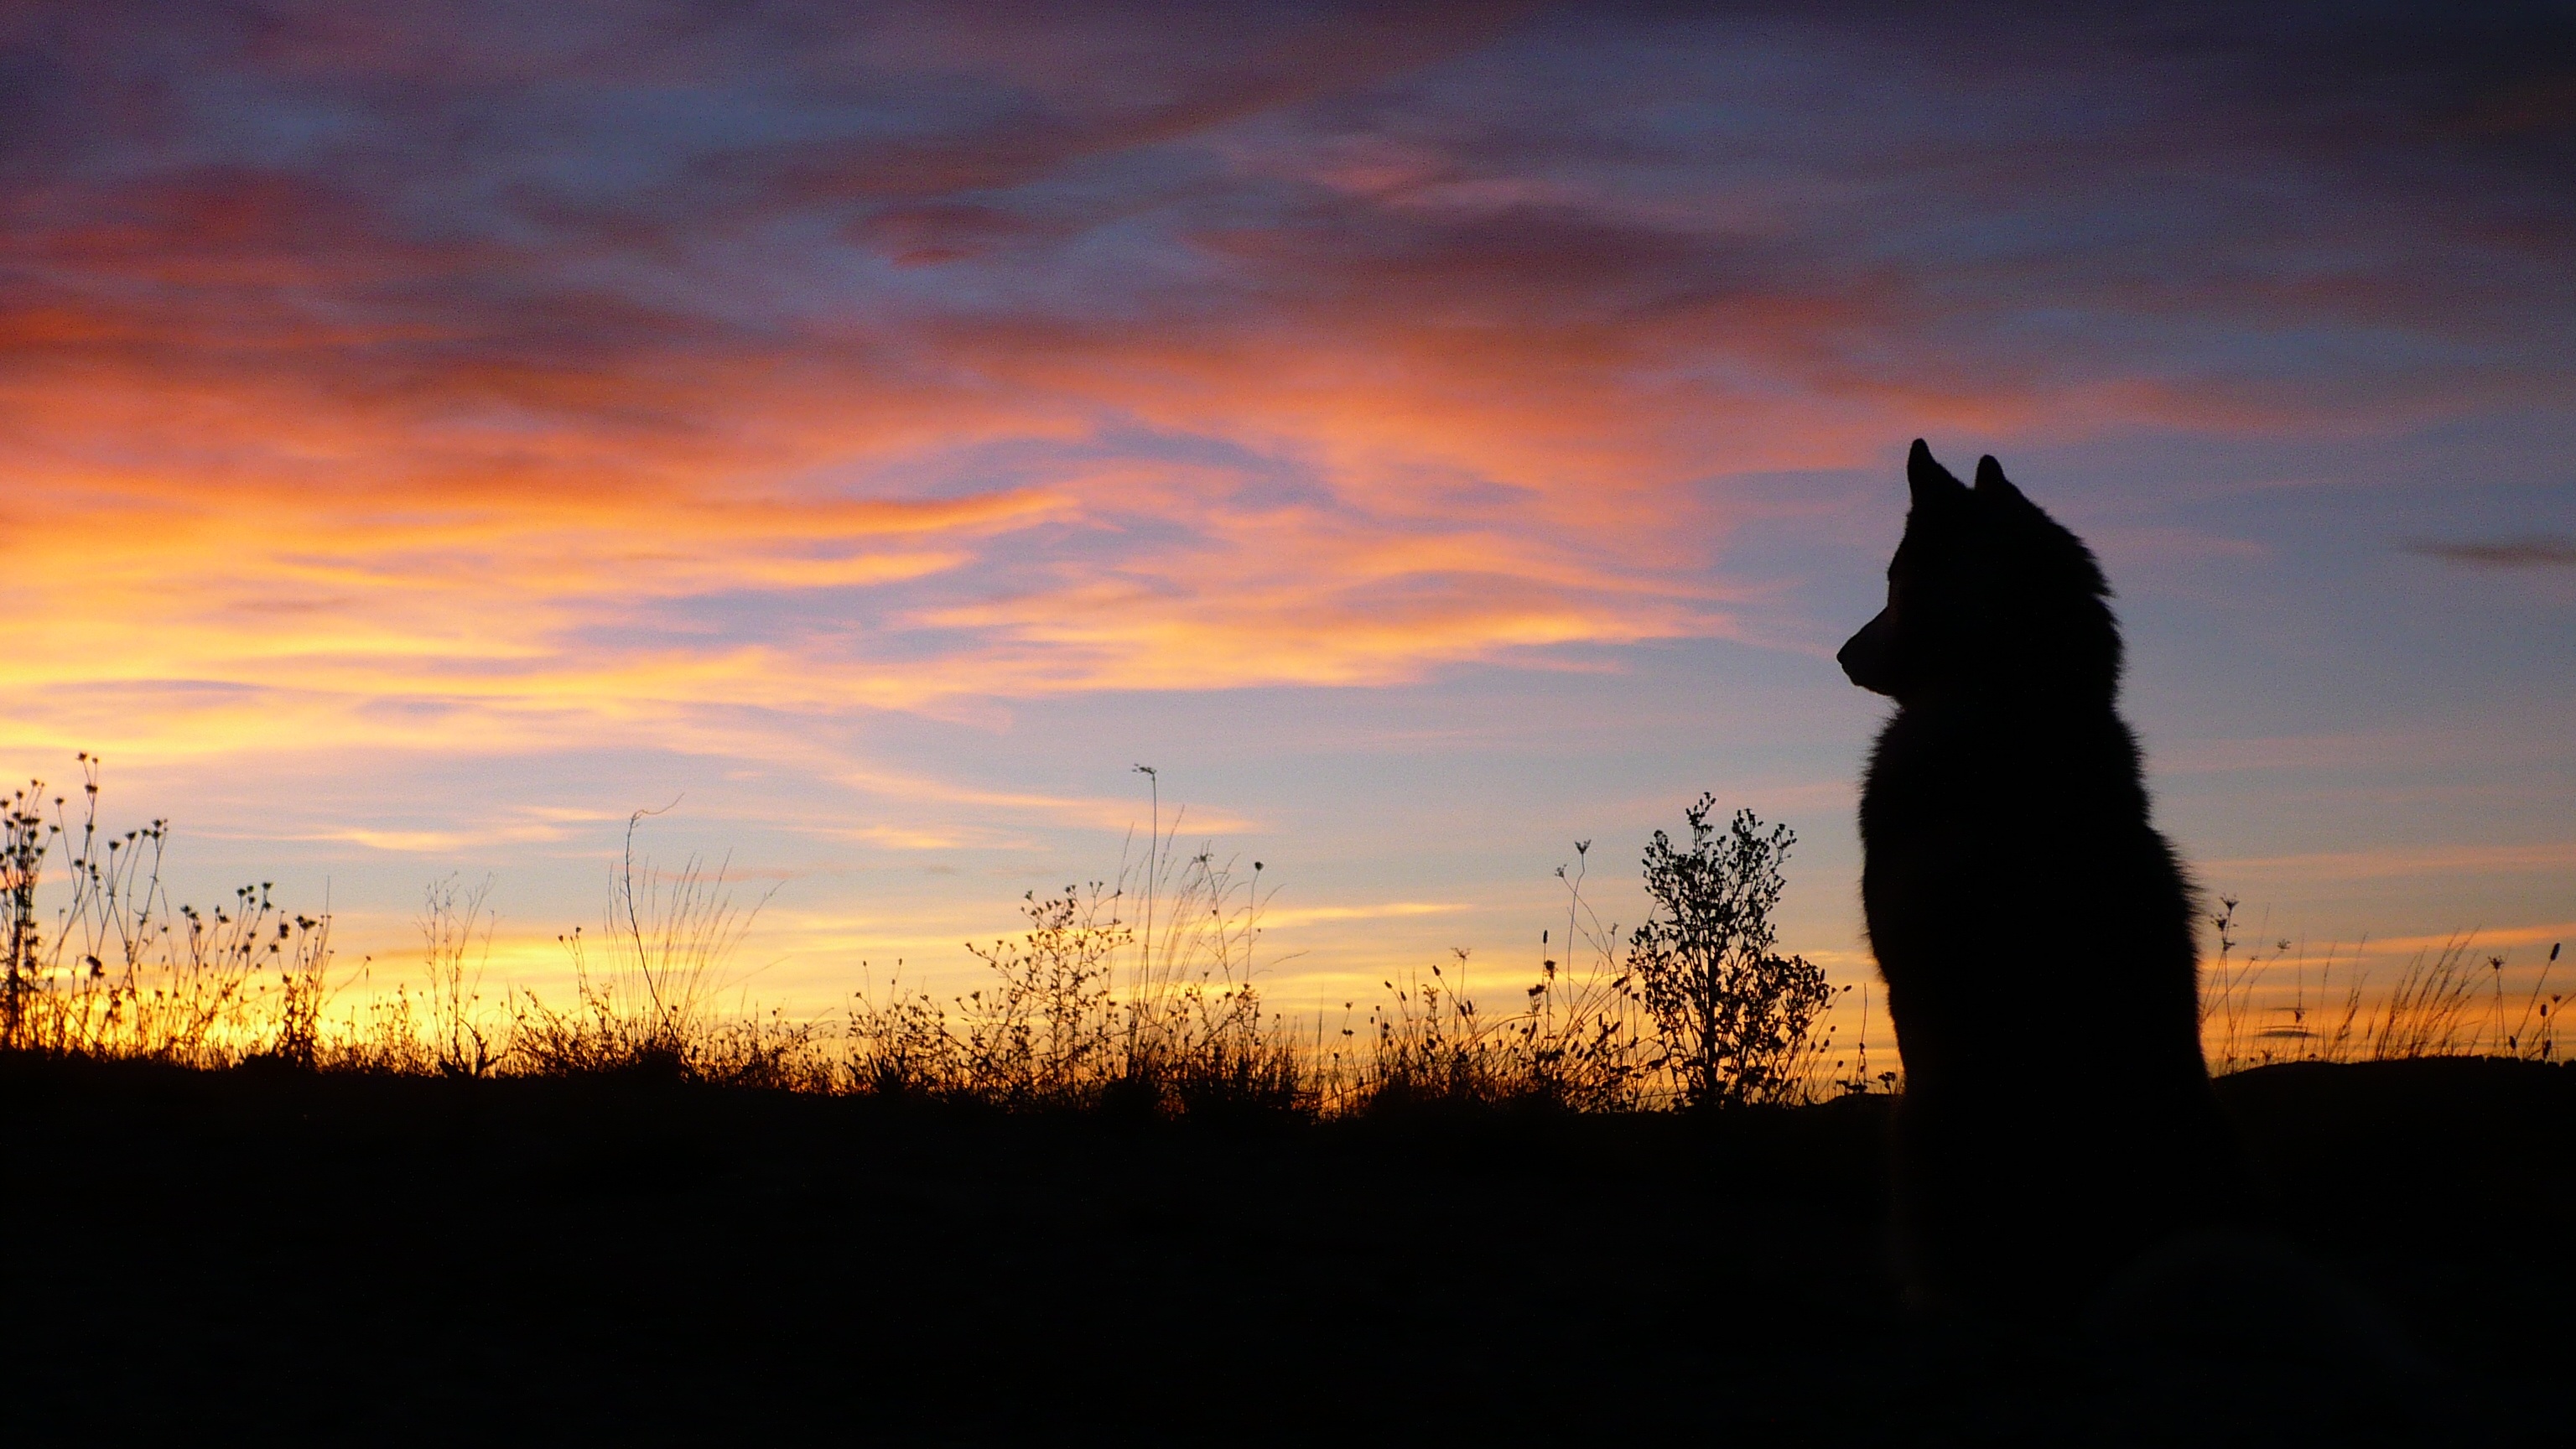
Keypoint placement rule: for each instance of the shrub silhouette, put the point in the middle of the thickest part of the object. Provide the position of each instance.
(1737, 1018)
(1084, 1009)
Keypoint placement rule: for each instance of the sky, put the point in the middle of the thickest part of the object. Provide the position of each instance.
(1428, 436)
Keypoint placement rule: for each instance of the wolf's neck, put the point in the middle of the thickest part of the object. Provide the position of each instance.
(2011, 699)
(1964, 743)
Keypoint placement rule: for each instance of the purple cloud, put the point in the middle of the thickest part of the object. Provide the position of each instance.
(2534, 551)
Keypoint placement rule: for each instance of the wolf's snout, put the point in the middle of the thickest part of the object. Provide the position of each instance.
(1864, 655)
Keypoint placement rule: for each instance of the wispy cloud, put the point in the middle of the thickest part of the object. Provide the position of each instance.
(2511, 938)
(1281, 918)
(2388, 863)
(443, 842)
(2532, 551)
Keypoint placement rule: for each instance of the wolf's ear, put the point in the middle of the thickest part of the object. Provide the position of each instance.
(1930, 483)
(1992, 483)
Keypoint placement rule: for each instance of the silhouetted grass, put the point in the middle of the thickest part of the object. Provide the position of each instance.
(649, 1005)
(122, 973)
(2267, 1007)
(1136, 995)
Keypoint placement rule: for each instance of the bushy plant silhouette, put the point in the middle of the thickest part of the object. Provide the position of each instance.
(1737, 1018)
(1084, 1009)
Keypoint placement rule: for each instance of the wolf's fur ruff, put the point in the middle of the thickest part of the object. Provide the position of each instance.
(2035, 932)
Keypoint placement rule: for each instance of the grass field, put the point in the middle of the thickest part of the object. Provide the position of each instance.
(1147, 985)
(1108, 1195)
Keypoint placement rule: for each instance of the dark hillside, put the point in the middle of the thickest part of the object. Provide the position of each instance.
(348, 1257)
(2449, 1186)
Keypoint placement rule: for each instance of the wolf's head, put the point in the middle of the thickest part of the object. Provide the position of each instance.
(1987, 597)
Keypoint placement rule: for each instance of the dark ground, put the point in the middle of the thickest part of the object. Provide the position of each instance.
(261, 1253)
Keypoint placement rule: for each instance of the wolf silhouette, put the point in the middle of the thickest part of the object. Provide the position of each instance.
(2035, 932)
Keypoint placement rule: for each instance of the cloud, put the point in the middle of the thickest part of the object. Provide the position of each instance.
(1095, 812)
(441, 842)
(2532, 551)
(2485, 939)
(2394, 863)
(1281, 918)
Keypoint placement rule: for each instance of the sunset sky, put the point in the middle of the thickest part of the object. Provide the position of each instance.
(1429, 436)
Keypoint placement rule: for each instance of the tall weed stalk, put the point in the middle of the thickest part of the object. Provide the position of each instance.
(652, 1004)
